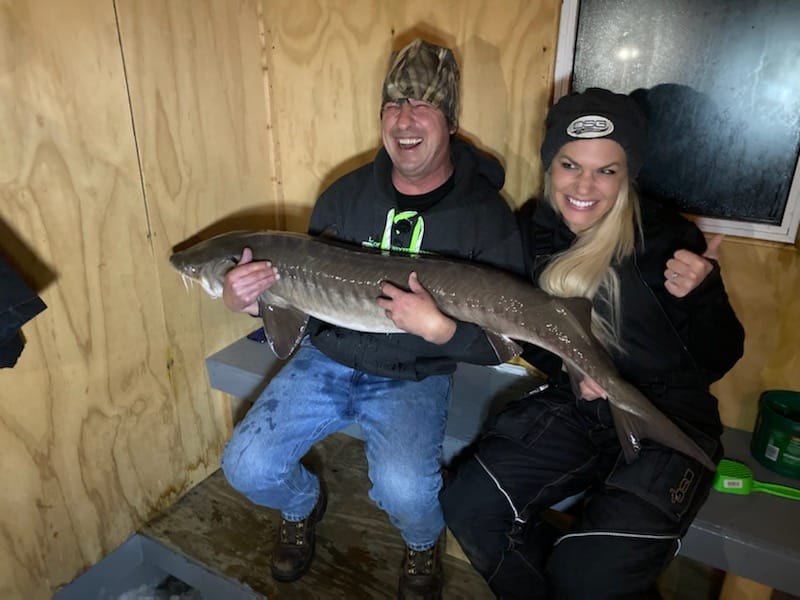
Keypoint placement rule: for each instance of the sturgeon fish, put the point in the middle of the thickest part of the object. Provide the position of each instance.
(339, 284)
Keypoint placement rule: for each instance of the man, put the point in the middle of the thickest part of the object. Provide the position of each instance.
(426, 192)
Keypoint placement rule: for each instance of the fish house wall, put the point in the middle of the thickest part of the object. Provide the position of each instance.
(129, 126)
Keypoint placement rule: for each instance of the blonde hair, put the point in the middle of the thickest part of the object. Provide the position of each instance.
(587, 268)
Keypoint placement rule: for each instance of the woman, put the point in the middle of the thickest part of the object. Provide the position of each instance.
(660, 309)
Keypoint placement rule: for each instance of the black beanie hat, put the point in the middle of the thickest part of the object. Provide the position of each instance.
(597, 113)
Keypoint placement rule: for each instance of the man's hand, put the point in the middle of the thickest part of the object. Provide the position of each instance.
(416, 312)
(686, 270)
(591, 390)
(246, 281)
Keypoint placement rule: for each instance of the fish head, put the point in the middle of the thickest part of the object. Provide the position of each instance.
(207, 262)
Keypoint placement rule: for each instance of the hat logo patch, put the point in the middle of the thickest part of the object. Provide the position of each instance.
(590, 126)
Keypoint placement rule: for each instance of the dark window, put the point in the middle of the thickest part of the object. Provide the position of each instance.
(720, 81)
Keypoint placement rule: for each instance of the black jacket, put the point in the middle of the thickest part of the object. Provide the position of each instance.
(674, 347)
(18, 304)
(471, 221)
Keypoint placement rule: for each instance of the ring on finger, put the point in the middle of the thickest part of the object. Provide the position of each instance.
(674, 275)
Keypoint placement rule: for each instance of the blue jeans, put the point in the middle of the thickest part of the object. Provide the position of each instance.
(313, 396)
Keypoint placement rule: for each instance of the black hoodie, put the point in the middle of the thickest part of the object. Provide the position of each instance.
(471, 221)
(674, 347)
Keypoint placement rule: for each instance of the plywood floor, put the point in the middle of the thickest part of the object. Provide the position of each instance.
(358, 553)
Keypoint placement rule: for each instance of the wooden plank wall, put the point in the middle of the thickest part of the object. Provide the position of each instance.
(128, 126)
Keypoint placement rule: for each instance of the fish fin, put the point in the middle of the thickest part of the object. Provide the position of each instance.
(504, 347)
(283, 326)
(631, 429)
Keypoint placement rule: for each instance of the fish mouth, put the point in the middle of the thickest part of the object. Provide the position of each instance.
(211, 284)
(206, 281)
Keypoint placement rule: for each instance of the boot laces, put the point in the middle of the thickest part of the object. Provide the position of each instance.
(420, 562)
(293, 532)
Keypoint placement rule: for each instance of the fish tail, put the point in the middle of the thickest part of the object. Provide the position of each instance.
(632, 428)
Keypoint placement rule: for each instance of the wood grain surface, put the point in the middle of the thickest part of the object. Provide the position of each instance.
(129, 127)
(358, 551)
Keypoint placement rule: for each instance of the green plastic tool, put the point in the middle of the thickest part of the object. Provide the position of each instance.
(733, 477)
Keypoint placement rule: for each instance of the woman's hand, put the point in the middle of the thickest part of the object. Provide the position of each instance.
(245, 281)
(686, 270)
(416, 312)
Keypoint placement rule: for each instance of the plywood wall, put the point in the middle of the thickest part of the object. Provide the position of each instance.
(89, 391)
(127, 127)
(107, 419)
(326, 61)
(763, 282)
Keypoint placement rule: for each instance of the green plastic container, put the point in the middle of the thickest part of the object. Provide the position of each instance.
(776, 437)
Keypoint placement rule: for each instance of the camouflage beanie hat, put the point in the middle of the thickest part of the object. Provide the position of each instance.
(424, 71)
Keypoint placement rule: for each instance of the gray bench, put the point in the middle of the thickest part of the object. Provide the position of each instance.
(755, 536)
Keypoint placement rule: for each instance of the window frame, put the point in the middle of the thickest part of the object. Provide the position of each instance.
(786, 232)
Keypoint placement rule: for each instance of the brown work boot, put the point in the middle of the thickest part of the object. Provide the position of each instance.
(294, 549)
(421, 578)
